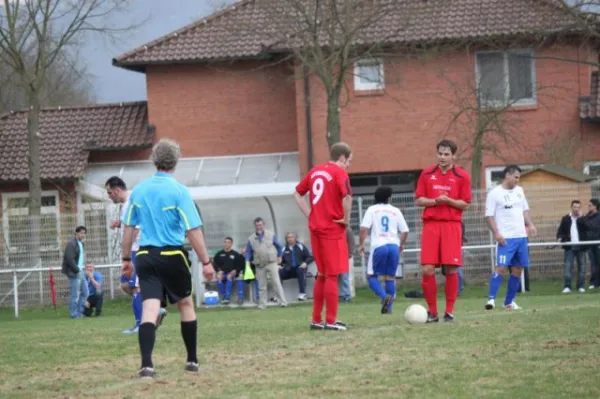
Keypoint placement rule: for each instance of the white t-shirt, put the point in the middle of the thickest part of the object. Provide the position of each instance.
(507, 207)
(385, 222)
(136, 243)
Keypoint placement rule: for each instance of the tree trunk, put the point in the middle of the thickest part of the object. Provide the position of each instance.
(333, 117)
(476, 160)
(35, 183)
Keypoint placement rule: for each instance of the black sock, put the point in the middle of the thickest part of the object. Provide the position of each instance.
(146, 336)
(189, 332)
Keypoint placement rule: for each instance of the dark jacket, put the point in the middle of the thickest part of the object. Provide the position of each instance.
(300, 252)
(563, 234)
(591, 227)
(71, 258)
(228, 261)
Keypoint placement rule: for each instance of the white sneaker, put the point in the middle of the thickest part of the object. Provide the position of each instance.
(512, 306)
(591, 287)
(581, 290)
(491, 304)
(302, 297)
(567, 290)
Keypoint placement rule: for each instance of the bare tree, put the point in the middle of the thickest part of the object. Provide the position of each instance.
(327, 38)
(67, 83)
(35, 35)
(481, 108)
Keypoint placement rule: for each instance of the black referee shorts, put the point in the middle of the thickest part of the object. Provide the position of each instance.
(164, 272)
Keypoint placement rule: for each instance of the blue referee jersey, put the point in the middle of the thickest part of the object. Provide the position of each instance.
(164, 210)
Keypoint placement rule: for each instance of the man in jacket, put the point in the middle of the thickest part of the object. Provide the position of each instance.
(229, 265)
(570, 230)
(73, 267)
(590, 224)
(265, 250)
(295, 261)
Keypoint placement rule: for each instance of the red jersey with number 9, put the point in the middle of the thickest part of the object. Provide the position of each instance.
(328, 184)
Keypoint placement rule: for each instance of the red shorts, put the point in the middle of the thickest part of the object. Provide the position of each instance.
(441, 243)
(331, 255)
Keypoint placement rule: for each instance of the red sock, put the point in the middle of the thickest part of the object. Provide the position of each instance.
(451, 288)
(318, 299)
(429, 286)
(331, 299)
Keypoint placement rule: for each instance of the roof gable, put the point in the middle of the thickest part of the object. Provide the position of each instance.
(67, 134)
(247, 28)
(561, 171)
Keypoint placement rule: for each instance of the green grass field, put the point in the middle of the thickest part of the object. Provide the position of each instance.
(548, 350)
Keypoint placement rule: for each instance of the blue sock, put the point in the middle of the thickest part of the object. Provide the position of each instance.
(136, 303)
(376, 287)
(256, 288)
(390, 289)
(228, 288)
(240, 289)
(495, 282)
(221, 286)
(513, 287)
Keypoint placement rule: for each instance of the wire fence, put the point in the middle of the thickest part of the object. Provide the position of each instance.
(235, 218)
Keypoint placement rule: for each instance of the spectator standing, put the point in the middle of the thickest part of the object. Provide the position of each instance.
(95, 297)
(346, 278)
(294, 263)
(265, 250)
(73, 265)
(590, 224)
(570, 230)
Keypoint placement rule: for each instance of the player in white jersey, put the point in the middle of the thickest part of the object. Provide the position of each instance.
(118, 194)
(385, 222)
(507, 216)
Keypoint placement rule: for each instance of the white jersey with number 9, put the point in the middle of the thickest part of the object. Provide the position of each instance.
(385, 222)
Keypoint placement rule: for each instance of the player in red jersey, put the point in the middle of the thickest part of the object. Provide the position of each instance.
(444, 190)
(328, 217)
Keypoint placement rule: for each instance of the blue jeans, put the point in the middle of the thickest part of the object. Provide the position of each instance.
(345, 288)
(570, 257)
(78, 293)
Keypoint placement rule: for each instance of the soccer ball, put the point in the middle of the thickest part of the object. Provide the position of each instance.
(416, 314)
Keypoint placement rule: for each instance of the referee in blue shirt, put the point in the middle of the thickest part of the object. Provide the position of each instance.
(165, 212)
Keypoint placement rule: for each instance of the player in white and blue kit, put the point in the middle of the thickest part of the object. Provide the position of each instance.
(385, 222)
(507, 216)
(118, 193)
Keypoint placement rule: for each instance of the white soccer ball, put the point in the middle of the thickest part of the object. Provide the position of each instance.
(416, 314)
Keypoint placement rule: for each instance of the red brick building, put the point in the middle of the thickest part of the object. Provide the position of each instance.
(240, 113)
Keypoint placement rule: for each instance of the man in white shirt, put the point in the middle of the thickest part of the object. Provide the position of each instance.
(116, 190)
(569, 231)
(385, 222)
(507, 216)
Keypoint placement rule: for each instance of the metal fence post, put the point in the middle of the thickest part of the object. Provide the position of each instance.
(112, 283)
(16, 292)
(41, 287)
(360, 217)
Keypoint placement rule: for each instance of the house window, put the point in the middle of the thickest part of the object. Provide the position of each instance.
(494, 176)
(368, 74)
(506, 78)
(15, 222)
(592, 168)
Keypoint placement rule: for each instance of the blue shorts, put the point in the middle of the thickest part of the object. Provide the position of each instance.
(383, 261)
(514, 253)
(133, 282)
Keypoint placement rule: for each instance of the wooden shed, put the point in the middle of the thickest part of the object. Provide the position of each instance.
(549, 190)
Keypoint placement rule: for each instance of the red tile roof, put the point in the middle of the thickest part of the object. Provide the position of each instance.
(589, 106)
(245, 30)
(67, 136)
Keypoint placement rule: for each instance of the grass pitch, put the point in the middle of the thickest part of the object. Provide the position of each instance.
(547, 350)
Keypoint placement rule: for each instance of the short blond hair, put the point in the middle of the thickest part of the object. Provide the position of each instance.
(165, 154)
